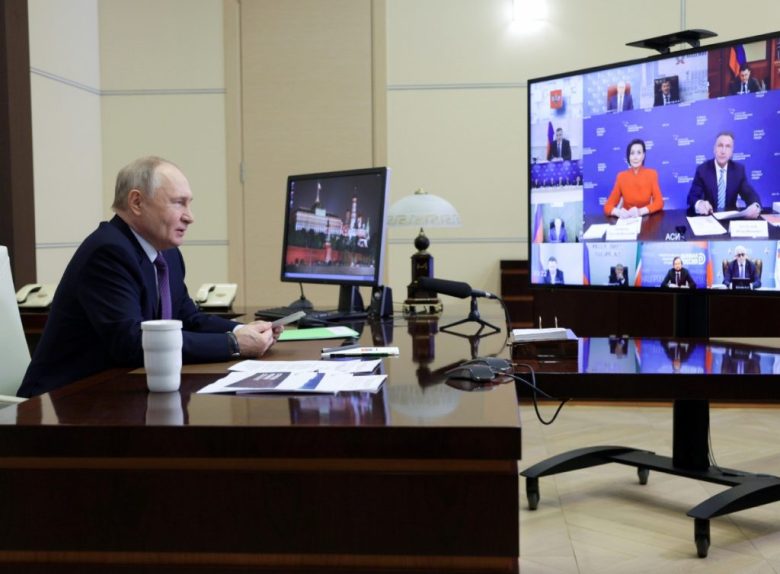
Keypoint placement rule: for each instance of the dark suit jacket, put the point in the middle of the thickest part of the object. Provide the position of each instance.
(558, 277)
(685, 278)
(613, 278)
(752, 86)
(555, 237)
(705, 186)
(659, 98)
(628, 103)
(94, 324)
(751, 273)
(565, 150)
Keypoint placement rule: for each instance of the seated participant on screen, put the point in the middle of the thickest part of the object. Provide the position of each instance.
(617, 276)
(678, 276)
(744, 84)
(664, 95)
(557, 231)
(636, 191)
(560, 148)
(621, 100)
(720, 181)
(553, 275)
(741, 272)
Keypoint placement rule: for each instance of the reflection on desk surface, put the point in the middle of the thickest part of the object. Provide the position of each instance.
(677, 356)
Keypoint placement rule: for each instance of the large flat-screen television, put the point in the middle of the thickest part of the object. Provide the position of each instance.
(335, 231)
(598, 220)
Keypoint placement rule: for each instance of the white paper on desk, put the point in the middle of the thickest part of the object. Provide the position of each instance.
(621, 233)
(705, 225)
(724, 215)
(596, 231)
(752, 228)
(352, 366)
(299, 382)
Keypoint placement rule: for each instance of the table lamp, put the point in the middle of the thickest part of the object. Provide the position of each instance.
(422, 209)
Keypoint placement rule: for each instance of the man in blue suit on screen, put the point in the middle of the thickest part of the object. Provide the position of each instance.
(117, 279)
(553, 275)
(741, 272)
(720, 181)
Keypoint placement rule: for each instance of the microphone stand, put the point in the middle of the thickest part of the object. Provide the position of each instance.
(472, 317)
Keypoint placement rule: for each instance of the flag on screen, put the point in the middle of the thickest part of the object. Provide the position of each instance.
(550, 137)
(737, 59)
(638, 272)
(710, 271)
(586, 266)
(538, 225)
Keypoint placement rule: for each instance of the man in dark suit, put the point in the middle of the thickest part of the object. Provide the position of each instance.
(665, 95)
(560, 149)
(617, 276)
(744, 84)
(620, 101)
(553, 275)
(111, 285)
(557, 232)
(678, 276)
(720, 181)
(741, 268)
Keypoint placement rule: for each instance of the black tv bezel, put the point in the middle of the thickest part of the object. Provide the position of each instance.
(360, 281)
(581, 72)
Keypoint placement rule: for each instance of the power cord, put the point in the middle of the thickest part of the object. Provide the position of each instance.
(535, 389)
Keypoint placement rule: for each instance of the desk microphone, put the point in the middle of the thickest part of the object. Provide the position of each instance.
(452, 288)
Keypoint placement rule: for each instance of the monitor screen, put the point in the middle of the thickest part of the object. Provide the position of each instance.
(335, 227)
(624, 179)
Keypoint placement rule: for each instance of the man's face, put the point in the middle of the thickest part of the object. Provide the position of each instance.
(724, 149)
(619, 271)
(621, 88)
(666, 88)
(559, 134)
(677, 264)
(166, 215)
(552, 267)
(744, 76)
(740, 256)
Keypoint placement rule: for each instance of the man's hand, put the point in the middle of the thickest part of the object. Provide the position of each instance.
(255, 338)
(703, 207)
(752, 211)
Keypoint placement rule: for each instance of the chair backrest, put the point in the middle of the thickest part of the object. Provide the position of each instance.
(14, 353)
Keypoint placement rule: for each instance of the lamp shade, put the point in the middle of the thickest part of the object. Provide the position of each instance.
(422, 209)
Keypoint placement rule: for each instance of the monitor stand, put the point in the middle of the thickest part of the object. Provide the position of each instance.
(350, 300)
(691, 314)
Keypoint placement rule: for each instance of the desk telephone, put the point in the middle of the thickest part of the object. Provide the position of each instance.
(38, 295)
(216, 294)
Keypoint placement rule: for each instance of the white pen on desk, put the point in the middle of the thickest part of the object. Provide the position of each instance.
(339, 348)
(362, 352)
(556, 321)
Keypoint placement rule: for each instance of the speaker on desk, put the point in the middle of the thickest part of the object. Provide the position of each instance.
(381, 302)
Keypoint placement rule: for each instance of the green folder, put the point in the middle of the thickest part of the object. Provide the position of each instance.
(337, 332)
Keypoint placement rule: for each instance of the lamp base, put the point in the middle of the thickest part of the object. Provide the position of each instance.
(428, 307)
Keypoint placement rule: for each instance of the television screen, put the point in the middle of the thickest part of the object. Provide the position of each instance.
(335, 227)
(625, 182)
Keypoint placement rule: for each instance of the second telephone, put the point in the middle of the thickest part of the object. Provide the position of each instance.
(35, 295)
(216, 294)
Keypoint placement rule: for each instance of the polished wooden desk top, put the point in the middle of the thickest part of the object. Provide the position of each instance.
(414, 415)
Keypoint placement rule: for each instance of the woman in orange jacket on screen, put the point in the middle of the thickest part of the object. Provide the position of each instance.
(637, 187)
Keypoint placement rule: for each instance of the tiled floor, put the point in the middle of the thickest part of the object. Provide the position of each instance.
(601, 520)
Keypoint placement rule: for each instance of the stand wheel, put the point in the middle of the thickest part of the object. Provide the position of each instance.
(532, 492)
(701, 536)
(643, 473)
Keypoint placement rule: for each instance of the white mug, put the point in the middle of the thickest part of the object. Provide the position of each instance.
(162, 341)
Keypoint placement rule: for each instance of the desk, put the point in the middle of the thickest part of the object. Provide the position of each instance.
(102, 476)
(664, 224)
(687, 371)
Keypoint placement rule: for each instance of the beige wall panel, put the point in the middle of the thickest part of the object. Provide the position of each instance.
(186, 129)
(474, 41)
(149, 44)
(466, 146)
(51, 262)
(205, 264)
(67, 171)
(64, 39)
(307, 106)
(730, 21)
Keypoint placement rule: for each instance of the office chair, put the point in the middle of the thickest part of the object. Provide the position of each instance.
(14, 353)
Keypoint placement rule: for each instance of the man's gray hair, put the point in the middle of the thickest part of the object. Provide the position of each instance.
(142, 174)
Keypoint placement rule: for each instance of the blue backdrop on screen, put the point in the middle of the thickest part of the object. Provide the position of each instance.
(668, 356)
(657, 259)
(679, 138)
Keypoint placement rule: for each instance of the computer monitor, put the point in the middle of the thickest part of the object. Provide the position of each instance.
(335, 231)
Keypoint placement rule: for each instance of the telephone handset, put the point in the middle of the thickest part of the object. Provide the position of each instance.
(216, 294)
(38, 295)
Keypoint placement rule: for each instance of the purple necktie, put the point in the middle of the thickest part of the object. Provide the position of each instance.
(163, 286)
